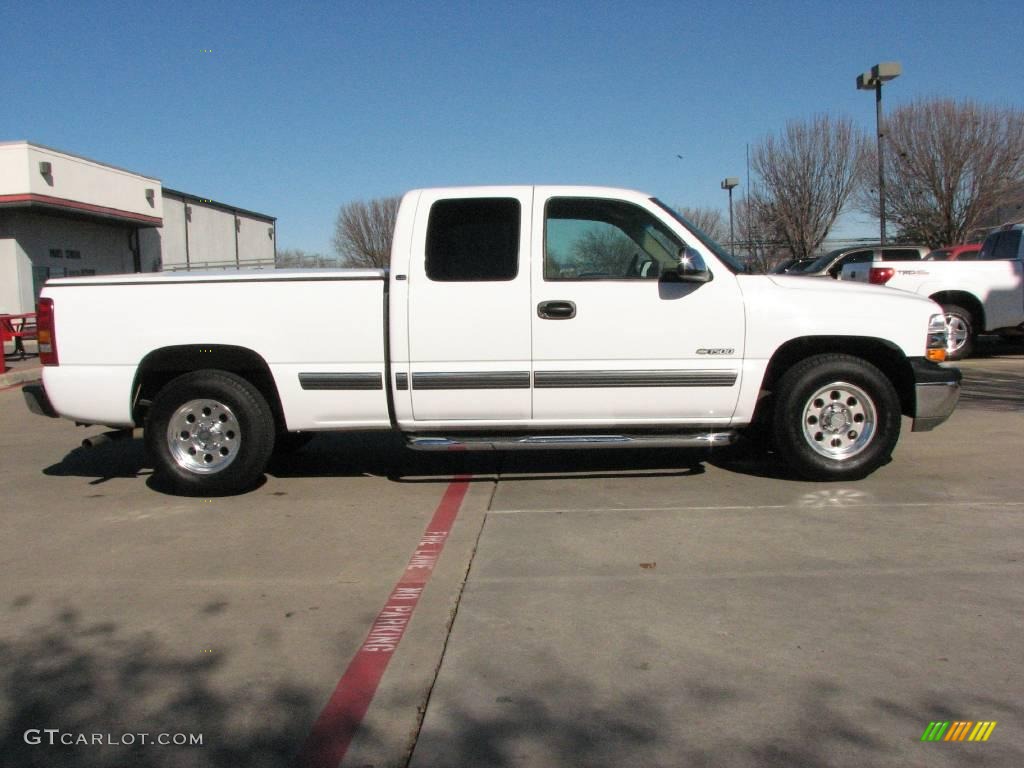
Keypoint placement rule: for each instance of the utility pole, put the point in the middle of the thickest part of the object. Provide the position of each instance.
(872, 80)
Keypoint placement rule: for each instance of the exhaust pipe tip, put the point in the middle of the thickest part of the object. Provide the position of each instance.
(106, 437)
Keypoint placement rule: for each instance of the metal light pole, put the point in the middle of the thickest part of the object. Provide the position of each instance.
(880, 73)
(728, 183)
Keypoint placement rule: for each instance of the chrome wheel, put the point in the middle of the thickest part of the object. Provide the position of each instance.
(957, 333)
(839, 420)
(203, 436)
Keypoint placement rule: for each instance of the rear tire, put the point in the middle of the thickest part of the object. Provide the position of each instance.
(210, 433)
(960, 332)
(837, 417)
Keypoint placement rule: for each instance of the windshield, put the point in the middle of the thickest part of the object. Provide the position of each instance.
(823, 261)
(726, 258)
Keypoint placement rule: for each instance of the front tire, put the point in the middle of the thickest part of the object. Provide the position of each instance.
(837, 417)
(210, 433)
(960, 332)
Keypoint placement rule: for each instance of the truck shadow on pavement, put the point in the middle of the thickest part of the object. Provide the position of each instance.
(385, 455)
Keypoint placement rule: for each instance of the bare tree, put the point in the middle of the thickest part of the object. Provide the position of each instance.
(806, 175)
(758, 234)
(1009, 210)
(949, 167)
(363, 231)
(708, 220)
(602, 251)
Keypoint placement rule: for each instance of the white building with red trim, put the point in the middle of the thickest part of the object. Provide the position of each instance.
(61, 215)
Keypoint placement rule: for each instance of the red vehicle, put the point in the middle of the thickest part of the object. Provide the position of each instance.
(965, 252)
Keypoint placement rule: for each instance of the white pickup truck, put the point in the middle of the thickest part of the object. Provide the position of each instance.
(985, 295)
(510, 318)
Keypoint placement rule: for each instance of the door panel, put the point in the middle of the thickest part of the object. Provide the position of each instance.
(637, 350)
(469, 308)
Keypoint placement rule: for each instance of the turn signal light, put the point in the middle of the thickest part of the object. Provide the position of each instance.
(938, 336)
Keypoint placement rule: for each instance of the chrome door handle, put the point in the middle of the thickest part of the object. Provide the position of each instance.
(556, 310)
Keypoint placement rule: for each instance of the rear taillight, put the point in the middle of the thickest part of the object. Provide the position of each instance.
(881, 275)
(46, 334)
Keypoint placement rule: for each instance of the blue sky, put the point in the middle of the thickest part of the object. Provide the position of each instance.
(300, 108)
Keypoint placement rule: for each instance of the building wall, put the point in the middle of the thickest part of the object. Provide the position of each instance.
(12, 299)
(97, 212)
(255, 241)
(165, 247)
(32, 239)
(211, 237)
(77, 179)
(13, 169)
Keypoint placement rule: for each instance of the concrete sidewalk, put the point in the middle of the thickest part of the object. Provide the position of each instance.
(19, 371)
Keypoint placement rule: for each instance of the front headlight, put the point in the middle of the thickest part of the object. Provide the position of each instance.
(937, 339)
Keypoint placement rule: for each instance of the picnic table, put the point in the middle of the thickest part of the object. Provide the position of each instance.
(16, 328)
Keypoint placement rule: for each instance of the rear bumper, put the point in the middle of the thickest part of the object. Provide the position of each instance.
(936, 392)
(37, 400)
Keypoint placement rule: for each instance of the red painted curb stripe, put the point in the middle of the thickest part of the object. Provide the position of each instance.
(327, 743)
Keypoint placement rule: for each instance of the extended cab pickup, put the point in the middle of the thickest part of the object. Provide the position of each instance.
(985, 295)
(510, 318)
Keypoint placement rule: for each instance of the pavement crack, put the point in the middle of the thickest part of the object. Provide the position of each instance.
(421, 711)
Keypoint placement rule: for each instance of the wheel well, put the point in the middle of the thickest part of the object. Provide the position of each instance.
(882, 354)
(162, 365)
(967, 301)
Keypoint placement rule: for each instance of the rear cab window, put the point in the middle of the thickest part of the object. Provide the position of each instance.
(473, 240)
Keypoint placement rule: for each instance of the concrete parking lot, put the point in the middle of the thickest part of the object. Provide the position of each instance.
(657, 608)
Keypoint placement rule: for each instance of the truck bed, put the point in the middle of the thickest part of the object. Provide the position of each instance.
(301, 322)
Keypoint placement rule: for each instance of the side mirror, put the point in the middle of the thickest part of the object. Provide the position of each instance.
(691, 269)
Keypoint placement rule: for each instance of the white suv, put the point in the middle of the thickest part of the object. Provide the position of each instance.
(833, 262)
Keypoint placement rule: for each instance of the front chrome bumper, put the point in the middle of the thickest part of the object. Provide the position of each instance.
(936, 392)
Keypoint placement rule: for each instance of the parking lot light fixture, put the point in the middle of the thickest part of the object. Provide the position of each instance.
(868, 81)
(729, 183)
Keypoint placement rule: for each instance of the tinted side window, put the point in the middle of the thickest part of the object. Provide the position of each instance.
(1001, 245)
(902, 254)
(473, 239)
(599, 239)
(857, 257)
(1005, 246)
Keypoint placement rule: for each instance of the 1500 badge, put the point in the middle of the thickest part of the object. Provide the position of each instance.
(716, 351)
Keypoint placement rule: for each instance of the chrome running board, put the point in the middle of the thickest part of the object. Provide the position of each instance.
(716, 439)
